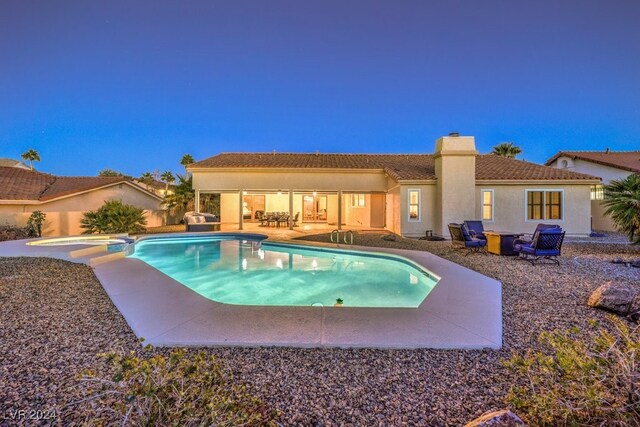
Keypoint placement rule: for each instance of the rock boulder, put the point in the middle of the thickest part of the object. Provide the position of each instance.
(615, 297)
(502, 418)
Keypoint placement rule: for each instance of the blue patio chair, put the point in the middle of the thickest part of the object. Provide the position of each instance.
(462, 239)
(476, 229)
(546, 244)
(526, 238)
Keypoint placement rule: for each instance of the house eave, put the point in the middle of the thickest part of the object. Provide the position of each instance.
(283, 170)
(538, 181)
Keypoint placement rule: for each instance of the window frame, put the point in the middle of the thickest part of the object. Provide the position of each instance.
(544, 204)
(357, 196)
(493, 204)
(409, 204)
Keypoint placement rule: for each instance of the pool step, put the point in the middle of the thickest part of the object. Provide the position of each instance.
(106, 258)
(91, 250)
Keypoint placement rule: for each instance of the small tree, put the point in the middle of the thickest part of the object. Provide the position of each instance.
(506, 149)
(109, 172)
(147, 179)
(34, 223)
(623, 205)
(168, 179)
(187, 159)
(31, 156)
(183, 198)
(114, 217)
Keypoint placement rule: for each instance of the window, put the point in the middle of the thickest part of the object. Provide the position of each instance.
(597, 192)
(487, 205)
(544, 204)
(358, 201)
(414, 205)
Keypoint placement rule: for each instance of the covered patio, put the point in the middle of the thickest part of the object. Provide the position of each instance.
(294, 209)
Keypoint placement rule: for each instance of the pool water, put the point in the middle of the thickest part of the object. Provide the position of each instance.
(234, 270)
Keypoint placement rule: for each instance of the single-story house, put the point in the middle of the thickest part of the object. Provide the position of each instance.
(65, 198)
(607, 165)
(408, 194)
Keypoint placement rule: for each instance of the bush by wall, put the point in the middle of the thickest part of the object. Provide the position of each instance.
(114, 217)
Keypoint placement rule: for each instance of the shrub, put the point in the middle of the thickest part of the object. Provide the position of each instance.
(34, 223)
(114, 217)
(574, 383)
(178, 390)
(623, 205)
(11, 232)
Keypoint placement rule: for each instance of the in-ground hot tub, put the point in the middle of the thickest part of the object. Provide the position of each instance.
(113, 242)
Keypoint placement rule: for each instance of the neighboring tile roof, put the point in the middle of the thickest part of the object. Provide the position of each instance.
(398, 166)
(625, 160)
(10, 163)
(24, 184)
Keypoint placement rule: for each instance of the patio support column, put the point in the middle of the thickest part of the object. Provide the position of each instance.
(240, 207)
(340, 210)
(291, 209)
(196, 202)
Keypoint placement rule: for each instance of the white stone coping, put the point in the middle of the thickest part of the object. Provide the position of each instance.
(463, 311)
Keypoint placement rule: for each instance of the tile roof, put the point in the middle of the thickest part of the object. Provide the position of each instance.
(12, 163)
(24, 184)
(398, 166)
(626, 160)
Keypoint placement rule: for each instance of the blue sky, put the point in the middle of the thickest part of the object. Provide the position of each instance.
(134, 85)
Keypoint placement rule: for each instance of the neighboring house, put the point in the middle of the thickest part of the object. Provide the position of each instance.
(405, 193)
(65, 198)
(10, 163)
(608, 165)
(157, 187)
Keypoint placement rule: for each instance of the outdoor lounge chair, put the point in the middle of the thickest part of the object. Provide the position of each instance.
(476, 229)
(462, 239)
(546, 244)
(201, 222)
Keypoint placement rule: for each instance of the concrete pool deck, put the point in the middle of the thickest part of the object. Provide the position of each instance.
(464, 310)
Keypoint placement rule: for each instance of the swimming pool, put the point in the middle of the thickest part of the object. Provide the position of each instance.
(244, 270)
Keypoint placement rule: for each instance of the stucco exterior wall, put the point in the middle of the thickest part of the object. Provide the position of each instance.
(600, 221)
(510, 208)
(393, 211)
(607, 173)
(455, 167)
(229, 208)
(64, 215)
(359, 216)
(428, 210)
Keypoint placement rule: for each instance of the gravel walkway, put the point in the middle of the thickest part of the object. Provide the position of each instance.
(55, 318)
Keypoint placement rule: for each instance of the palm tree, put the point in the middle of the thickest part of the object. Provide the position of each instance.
(109, 172)
(506, 149)
(623, 205)
(32, 156)
(147, 179)
(168, 178)
(183, 198)
(187, 159)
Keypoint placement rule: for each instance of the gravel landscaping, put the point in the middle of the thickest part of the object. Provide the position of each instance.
(56, 319)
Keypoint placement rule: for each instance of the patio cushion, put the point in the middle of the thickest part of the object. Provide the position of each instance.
(476, 228)
(475, 243)
(465, 232)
